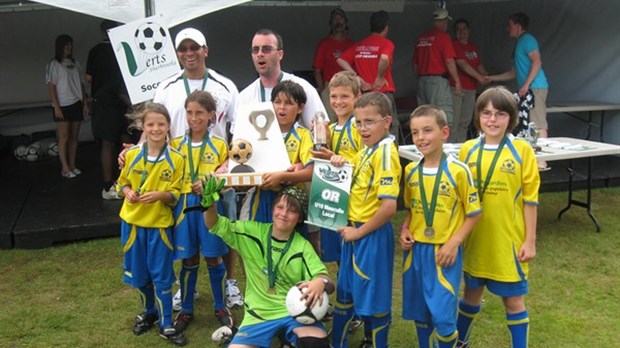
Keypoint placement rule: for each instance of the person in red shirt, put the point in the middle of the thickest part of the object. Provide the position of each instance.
(434, 62)
(470, 70)
(371, 59)
(326, 53)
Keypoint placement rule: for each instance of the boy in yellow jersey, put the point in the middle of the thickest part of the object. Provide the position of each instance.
(443, 207)
(288, 100)
(150, 184)
(367, 259)
(345, 140)
(506, 174)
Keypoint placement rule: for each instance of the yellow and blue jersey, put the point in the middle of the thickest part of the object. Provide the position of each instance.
(376, 176)
(457, 198)
(514, 183)
(215, 153)
(346, 140)
(298, 142)
(164, 175)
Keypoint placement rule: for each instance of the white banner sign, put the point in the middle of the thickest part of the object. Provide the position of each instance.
(145, 54)
(373, 5)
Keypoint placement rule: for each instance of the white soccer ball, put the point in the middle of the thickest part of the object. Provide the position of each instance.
(32, 154)
(20, 152)
(150, 37)
(52, 150)
(298, 310)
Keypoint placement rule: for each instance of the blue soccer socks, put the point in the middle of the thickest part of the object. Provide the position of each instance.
(217, 274)
(187, 282)
(519, 325)
(467, 315)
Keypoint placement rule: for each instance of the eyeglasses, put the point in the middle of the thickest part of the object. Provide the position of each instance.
(193, 48)
(265, 49)
(500, 115)
(367, 123)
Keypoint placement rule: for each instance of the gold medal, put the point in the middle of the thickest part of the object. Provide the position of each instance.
(429, 232)
(271, 291)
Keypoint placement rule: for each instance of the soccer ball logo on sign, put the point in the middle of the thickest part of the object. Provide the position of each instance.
(150, 37)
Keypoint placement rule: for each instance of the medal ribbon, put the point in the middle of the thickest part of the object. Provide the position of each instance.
(429, 212)
(482, 188)
(262, 88)
(193, 171)
(344, 130)
(204, 82)
(271, 269)
(145, 153)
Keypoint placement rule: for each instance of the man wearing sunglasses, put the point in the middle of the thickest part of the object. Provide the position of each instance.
(192, 53)
(267, 52)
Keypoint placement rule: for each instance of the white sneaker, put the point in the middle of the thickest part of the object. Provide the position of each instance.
(76, 171)
(223, 335)
(177, 303)
(110, 193)
(234, 297)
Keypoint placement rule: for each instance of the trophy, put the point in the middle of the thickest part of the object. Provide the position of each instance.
(261, 120)
(532, 134)
(319, 134)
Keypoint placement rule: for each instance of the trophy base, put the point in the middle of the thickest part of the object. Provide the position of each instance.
(242, 179)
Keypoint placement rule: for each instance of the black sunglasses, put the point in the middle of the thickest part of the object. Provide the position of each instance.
(265, 49)
(193, 48)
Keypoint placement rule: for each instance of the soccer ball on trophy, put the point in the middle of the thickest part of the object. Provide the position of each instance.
(150, 37)
(240, 151)
(299, 311)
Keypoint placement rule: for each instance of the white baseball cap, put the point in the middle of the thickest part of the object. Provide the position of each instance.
(440, 14)
(191, 34)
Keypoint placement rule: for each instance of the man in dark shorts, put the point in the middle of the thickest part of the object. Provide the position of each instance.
(109, 105)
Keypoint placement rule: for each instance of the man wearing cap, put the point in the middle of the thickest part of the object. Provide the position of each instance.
(434, 62)
(192, 52)
(326, 53)
(371, 59)
(267, 52)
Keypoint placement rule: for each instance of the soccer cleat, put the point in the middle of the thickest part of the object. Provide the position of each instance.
(144, 322)
(177, 303)
(110, 193)
(355, 324)
(234, 297)
(173, 336)
(223, 334)
(225, 317)
(182, 321)
(366, 343)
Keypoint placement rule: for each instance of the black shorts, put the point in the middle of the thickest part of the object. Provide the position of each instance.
(109, 121)
(73, 112)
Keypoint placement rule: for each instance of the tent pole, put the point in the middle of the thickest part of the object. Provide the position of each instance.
(149, 8)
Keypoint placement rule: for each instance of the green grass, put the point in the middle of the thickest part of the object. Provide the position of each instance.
(73, 295)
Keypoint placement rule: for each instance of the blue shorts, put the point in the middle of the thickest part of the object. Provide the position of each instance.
(148, 256)
(331, 245)
(366, 272)
(503, 289)
(262, 334)
(430, 292)
(191, 233)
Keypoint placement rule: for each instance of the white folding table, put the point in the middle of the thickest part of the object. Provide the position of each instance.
(590, 107)
(551, 149)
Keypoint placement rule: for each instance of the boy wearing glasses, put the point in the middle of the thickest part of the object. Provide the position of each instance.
(267, 52)
(364, 284)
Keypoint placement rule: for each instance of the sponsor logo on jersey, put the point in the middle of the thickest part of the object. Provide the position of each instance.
(386, 181)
